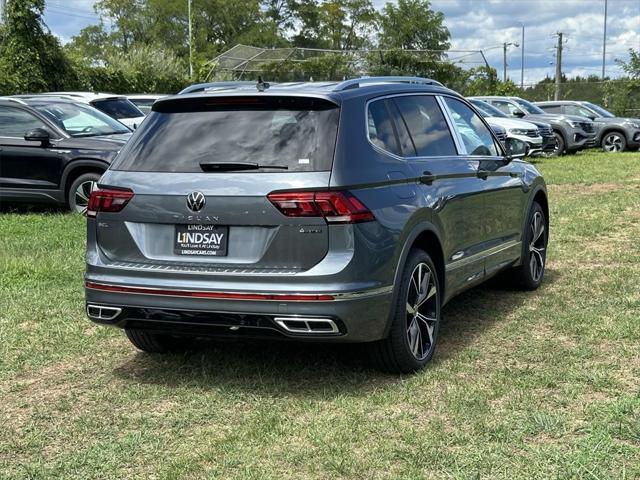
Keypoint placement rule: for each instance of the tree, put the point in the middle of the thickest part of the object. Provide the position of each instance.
(335, 24)
(32, 55)
(632, 67)
(412, 25)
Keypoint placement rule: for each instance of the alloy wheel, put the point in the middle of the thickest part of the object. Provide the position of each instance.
(613, 143)
(537, 247)
(422, 311)
(82, 196)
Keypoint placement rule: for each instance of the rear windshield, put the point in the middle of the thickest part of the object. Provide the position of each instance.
(118, 108)
(181, 136)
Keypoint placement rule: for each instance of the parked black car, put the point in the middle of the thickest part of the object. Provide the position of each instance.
(52, 150)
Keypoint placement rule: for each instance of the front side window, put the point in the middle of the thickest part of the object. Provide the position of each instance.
(505, 107)
(476, 136)
(15, 122)
(427, 125)
(601, 111)
(576, 110)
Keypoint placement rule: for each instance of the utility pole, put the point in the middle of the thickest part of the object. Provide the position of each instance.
(504, 61)
(3, 11)
(504, 58)
(556, 95)
(522, 61)
(190, 42)
(604, 39)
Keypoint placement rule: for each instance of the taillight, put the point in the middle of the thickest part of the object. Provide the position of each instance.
(108, 200)
(335, 207)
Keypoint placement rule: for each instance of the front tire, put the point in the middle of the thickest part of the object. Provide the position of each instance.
(530, 273)
(416, 318)
(79, 191)
(614, 142)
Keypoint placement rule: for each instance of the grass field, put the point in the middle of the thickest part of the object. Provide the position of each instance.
(523, 385)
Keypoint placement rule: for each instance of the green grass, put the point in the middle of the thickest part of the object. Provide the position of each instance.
(523, 385)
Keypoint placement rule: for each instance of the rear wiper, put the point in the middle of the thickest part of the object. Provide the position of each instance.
(232, 166)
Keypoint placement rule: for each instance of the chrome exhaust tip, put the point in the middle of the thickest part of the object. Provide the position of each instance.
(102, 312)
(307, 325)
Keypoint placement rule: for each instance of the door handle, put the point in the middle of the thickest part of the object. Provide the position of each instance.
(427, 178)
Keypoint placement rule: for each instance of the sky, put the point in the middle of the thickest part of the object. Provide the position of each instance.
(486, 25)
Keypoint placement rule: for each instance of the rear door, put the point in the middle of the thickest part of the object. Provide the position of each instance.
(449, 183)
(201, 171)
(501, 187)
(25, 164)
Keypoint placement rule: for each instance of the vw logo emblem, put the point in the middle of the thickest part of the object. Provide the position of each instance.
(195, 201)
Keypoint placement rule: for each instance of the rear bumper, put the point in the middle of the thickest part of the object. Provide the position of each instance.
(354, 316)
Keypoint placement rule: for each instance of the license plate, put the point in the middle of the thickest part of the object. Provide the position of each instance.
(208, 240)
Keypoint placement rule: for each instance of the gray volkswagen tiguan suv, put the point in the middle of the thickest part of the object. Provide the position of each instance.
(344, 212)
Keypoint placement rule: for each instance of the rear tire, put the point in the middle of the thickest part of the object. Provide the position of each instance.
(78, 194)
(416, 319)
(152, 342)
(530, 273)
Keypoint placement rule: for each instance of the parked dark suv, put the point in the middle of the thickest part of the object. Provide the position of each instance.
(52, 150)
(344, 212)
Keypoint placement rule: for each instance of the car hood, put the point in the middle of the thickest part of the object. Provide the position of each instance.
(111, 143)
(557, 117)
(510, 123)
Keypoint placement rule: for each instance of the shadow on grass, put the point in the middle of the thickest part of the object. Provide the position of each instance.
(311, 370)
(24, 208)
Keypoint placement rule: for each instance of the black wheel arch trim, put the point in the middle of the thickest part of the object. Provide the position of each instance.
(417, 230)
(80, 163)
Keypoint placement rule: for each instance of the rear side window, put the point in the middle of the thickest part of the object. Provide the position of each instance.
(382, 131)
(551, 108)
(178, 136)
(118, 108)
(426, 124)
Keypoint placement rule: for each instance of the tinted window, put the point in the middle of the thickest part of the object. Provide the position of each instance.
(576, 110)
(551, 108)
(381, 129)
(528, 106)
(505, 107)
(181, 136)
(475, 135)
(118, 108)
(80, 120)
(487, 110)
(15, 122)
(426, 124)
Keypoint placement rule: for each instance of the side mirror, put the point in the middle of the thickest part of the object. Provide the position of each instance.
(516, 148)
(37, 135)
(518, 113)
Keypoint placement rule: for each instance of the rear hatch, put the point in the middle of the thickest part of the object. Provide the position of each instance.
(200, 170)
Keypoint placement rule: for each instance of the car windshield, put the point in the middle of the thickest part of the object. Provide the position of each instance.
(528, 106)
(118, 108)
(487, 110)
(599, 110)
(80, 120)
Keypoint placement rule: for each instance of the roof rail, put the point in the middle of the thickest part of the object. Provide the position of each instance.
(357, 82)
(13, 99)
